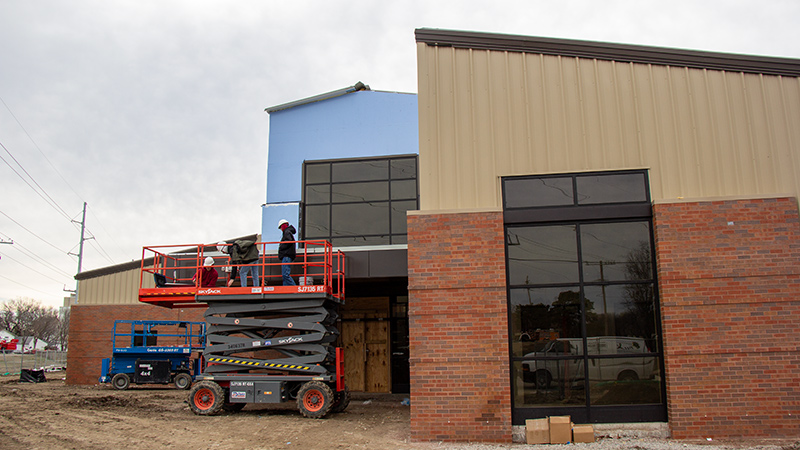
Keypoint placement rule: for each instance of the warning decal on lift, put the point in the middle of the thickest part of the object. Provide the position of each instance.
(258, 364)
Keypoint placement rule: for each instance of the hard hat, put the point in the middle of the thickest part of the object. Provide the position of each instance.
(221, 246)
(281, 222)
(209, 261)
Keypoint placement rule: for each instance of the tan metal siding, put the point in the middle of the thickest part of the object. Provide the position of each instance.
(120, 288)
(702, 133)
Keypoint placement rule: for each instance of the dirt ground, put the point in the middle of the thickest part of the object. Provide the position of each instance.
(52, 415)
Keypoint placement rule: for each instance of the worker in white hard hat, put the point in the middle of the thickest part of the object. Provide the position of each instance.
(286, 251)
(207, 275)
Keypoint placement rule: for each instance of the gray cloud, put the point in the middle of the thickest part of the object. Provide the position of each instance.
(153, 111)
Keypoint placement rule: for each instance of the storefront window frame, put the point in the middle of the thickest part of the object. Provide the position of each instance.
(583, 213)
(396, 171)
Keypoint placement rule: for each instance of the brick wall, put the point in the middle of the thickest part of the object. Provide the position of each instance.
(458, 328)
(90, 328)
(729, 283)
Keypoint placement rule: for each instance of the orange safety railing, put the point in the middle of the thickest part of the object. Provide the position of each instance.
(167, 276)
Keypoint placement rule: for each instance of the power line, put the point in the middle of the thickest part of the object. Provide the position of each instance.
(54, 204)
(49, 200)
(31, 268)
(106, 231)
(31, 232)
(30, 254)
(39, 149)
(96, 245)
(26, 287)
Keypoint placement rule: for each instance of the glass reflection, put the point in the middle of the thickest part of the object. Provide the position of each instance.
(542, 255)
(404, 168)
(360, 219)
(405, 189)
(616, 188)
(399, 215)
(616, 251)
(537, 192)
(317, 221)
(552, 382)
(626, 311)
(542, 315)
(318, 173)
(359, 241)
(320, 193)
(360, 192)
(360, 171)
(624, 381)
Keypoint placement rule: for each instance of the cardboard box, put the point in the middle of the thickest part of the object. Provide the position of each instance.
(560, 429)
(537, 431)
(582, 433)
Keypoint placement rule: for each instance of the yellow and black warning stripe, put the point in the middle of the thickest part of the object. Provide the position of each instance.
(244, 362)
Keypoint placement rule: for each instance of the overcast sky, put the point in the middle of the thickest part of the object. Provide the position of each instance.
(152, 112)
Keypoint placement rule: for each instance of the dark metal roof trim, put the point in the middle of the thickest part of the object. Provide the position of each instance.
(317, 98)
(137, 264)
(612, 52)
(110, 270)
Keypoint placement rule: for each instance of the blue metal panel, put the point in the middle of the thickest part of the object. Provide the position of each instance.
(270, 215)
(358, 124)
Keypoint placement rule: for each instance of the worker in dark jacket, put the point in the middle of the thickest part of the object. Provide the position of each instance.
(286, 251)
(244, 259)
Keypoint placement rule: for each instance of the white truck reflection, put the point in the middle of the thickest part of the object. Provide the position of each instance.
(543, 372)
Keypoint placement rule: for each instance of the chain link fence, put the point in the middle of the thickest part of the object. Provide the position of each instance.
(49, 361)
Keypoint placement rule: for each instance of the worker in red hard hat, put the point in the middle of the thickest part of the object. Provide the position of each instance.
(286, 251)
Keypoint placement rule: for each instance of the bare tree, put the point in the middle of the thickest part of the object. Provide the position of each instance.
(17, 315)
(45, 325)
(28, 319)
(63, 328)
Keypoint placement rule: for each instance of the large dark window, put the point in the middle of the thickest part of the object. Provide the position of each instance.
(583, 310)
(359, 201)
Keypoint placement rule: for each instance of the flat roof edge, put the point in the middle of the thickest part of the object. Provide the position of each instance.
(317, 98)
(768, 65)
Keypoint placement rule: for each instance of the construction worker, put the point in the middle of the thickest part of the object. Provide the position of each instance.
(207, 274)
(286, 251)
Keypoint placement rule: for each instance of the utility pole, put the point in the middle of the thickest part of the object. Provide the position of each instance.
(80, 250)
(6, 242)
(83, 231)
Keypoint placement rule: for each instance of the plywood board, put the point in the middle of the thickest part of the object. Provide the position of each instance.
(354, 355)
(377, 341)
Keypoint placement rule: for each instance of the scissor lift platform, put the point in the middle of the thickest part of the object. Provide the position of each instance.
(264, 344)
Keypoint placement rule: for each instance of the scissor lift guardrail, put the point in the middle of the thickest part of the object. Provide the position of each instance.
(264, 344)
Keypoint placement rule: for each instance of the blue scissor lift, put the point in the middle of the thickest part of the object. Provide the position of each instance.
(154, 352)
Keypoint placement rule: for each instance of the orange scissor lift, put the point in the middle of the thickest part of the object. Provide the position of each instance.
(264, 344)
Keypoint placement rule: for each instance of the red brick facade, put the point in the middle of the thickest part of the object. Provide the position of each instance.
(729, 286)
(90, 334)
(460, 389)
(729, 283)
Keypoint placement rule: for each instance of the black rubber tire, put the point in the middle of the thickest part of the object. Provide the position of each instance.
(315, 399)
(628, 375)
(206, 398)
(233, 407)
(183, 381)
(121, 381)
(542, 378)
(341, 399)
